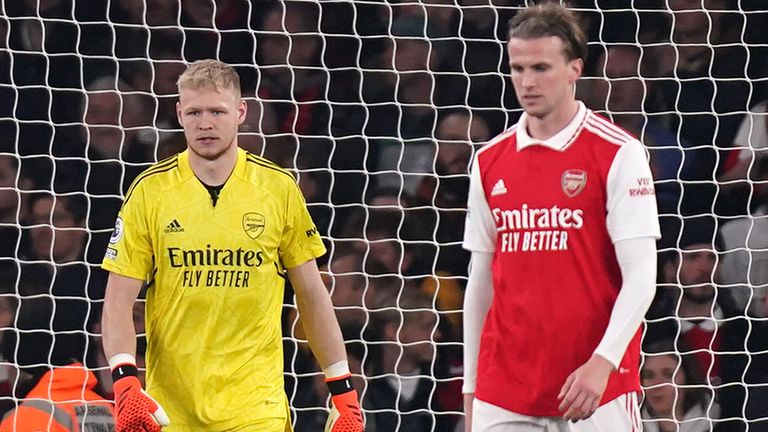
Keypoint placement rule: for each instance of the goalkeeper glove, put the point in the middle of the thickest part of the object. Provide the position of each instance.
(135, 410)
(345, 413)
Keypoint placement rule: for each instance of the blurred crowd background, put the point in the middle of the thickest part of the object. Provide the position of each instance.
(378, 107)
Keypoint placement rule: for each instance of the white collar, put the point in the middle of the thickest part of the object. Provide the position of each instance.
(705, 323)
(560, 140)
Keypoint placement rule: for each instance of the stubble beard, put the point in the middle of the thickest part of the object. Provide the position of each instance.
(699, 294)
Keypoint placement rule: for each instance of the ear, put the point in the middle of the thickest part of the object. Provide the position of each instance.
(242, 111)
(670, 270)
(178, 113)
(576, 67)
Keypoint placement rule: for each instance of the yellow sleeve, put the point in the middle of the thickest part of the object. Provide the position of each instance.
(300, 241)
(130, 251)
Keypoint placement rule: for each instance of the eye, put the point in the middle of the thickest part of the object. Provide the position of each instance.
(668, 374)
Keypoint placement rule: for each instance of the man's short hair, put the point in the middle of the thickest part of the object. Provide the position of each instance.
(210, 74)
(691, 233)
(550, 19)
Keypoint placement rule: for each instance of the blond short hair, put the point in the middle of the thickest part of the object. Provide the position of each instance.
(210, 74)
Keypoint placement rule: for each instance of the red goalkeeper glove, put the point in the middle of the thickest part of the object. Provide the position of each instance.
(345, 413)
(135, 410)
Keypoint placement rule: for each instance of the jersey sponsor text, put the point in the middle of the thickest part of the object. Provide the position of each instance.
(534, 241)
(208, 257)
(532, 218)
(216, 278)
(214, 257)
(536, 229)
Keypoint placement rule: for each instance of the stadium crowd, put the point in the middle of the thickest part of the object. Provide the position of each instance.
(378, 108)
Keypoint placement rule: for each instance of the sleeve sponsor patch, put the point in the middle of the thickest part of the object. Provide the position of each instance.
(643, 186)
(311, 232)
(117, 233)
(110, 254)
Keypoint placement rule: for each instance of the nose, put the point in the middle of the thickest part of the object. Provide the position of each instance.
(528, 79)
(705, 266)
(205, 122)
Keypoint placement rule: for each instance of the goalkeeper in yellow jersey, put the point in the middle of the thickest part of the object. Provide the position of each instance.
(213, 232)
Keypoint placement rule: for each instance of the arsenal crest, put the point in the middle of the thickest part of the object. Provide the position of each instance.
(573, 182)
(253, 224)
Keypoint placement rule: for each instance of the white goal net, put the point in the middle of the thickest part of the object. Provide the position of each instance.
(378, 107)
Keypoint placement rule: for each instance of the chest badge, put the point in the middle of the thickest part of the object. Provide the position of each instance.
(253, 224)
(573, 182)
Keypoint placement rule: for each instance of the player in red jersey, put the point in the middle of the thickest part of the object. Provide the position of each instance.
(562, 225)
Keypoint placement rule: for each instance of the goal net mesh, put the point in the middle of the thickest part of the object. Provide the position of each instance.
(378, 107)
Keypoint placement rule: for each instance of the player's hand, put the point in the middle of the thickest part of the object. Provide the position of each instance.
(345, 413)
(469, 398)
(135, 410)
(580, 395)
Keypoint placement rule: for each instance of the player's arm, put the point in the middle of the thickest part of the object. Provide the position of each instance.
(637, 260)
(633, 224)
(477, 302)
(480, 239)
(324, 336)
(119, 332)
(584, 388)
(134, 408)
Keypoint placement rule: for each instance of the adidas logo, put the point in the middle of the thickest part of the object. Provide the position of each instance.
(499, 188)
(174, 227)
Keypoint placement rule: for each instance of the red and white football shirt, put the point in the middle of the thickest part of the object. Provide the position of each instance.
(550, 212)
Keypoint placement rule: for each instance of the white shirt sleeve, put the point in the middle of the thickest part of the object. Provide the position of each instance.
(637, 261)
(480, 226)
(752, 133)
(631, 202)
(477, 302)
(742, 139)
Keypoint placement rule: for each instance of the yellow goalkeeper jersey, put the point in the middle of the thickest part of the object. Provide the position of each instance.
(216, 281)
